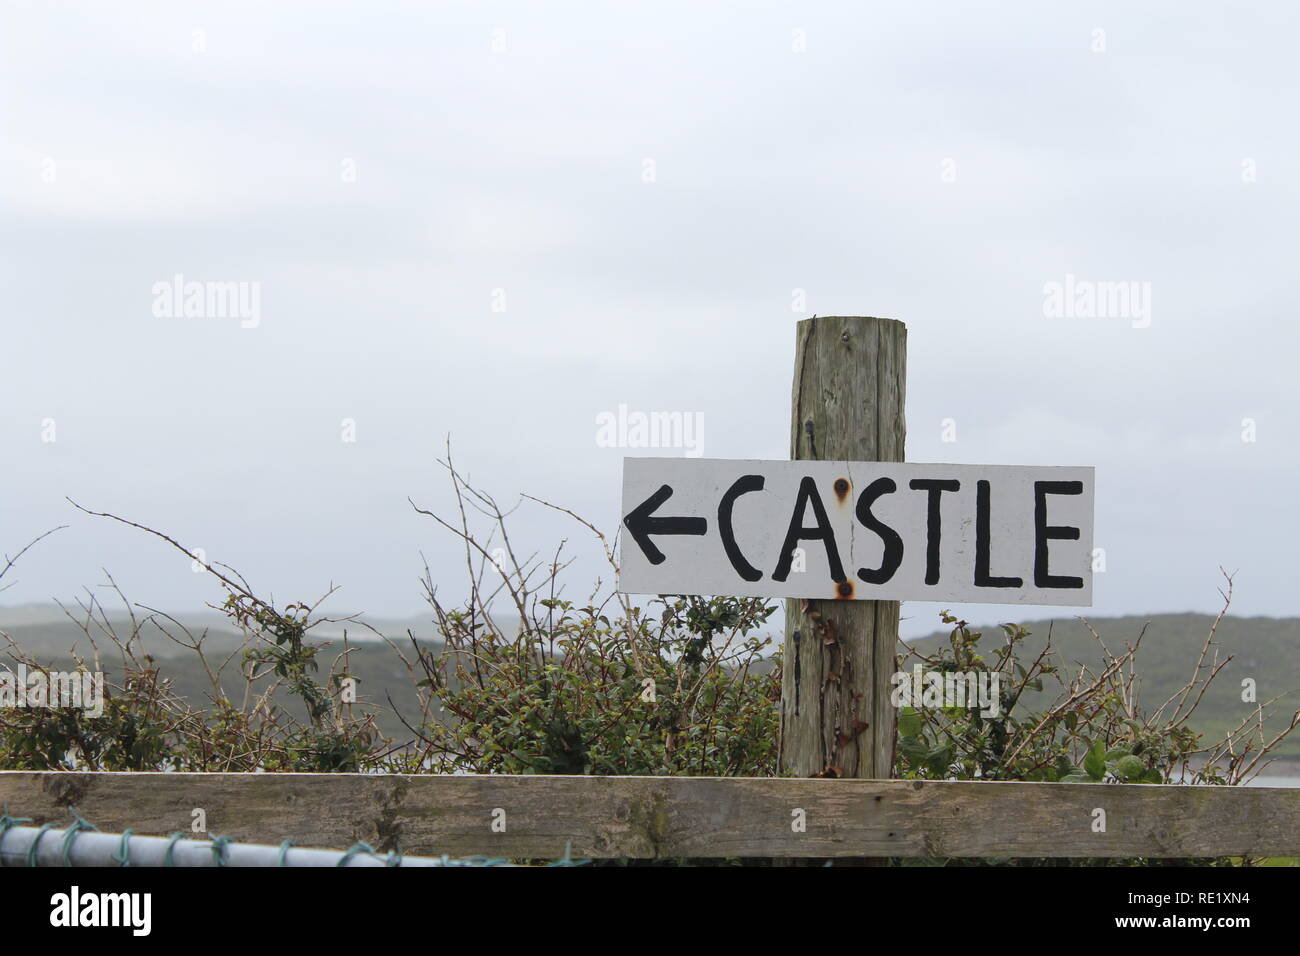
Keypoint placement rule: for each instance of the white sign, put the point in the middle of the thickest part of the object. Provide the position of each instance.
(867, 531)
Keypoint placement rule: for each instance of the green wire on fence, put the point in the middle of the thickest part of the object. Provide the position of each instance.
(218, 844)
(168, 858)
(6, 821)
(70, 834)
(123, 854)
(36, 841)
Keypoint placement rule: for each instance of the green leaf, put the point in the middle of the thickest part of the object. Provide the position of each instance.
(1130, 768)
(1095, 762)
(939, 760)
(912, 748)
(909, 723)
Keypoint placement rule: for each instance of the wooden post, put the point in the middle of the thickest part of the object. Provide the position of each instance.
(848, 404)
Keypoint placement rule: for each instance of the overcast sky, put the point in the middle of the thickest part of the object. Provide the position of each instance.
(497, 221)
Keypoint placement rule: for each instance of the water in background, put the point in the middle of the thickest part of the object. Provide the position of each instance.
(1264, 781)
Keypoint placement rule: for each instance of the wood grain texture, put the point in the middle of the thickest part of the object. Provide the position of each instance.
(605, 817)
(847, 405)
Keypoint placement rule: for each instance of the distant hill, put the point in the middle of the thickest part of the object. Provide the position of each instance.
(48, 629)
(45, 629)
(1264, 648)
(47, 634)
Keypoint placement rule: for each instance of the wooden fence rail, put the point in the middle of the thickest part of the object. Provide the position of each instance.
(645, 817)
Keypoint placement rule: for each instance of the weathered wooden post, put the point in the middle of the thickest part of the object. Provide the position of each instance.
(848, 405)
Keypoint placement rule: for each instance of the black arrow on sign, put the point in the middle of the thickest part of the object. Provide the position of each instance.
(642, 523)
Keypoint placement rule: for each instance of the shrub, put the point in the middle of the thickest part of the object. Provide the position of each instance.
(678, 687)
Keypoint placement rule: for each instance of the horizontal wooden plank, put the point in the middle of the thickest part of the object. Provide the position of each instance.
(605, 817)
